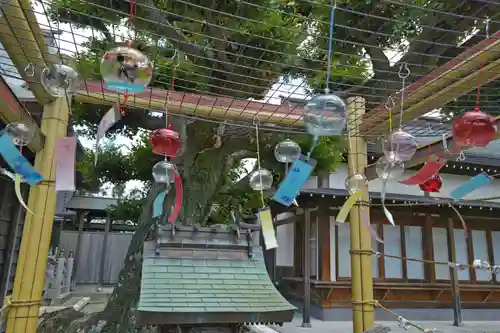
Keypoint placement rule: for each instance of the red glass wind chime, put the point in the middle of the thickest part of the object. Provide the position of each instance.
(472, 130)
(167, 142)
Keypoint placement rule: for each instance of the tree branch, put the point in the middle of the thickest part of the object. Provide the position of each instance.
(166, 29)
(424, 53)
(379, 60)
(67, 16)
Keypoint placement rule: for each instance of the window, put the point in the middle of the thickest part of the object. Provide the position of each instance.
(480, 248)
(462, 254)
(393, 266)
(344, 244)
(495, 240)
(414, 250)
(440, 242)
(375, 259)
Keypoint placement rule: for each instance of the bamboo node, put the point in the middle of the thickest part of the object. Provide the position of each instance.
(362, 252)
(47, 182)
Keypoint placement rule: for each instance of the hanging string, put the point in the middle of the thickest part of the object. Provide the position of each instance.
(330, 47)
(168, 123)
(256, 122)
(130, 22)
(388, 106)
(349, 147)
(328, 69)
(478, 94)
(314, 144)
(403, 73)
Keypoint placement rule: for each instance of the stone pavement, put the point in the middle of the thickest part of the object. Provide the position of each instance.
(318, 326)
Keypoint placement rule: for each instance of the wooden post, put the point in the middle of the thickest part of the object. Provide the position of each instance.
(306, 313)
(455, 291)
(22, 317)
(324, 242)
(107, 226)
(361, 257)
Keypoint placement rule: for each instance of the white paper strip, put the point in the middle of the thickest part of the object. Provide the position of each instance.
(107, 121)
(65, 163)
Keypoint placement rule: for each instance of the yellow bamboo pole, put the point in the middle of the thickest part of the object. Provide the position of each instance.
(30, 272)
(361, 264)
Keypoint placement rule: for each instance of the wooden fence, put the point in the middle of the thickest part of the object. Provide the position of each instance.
(88, 261)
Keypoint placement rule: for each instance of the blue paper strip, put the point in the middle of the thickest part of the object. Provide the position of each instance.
(124, 87)
(293, 182)
(17, 161)
(158, 204)
(471, 185)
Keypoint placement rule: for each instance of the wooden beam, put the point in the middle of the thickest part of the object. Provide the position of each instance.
(93, 92)
(324, 242)
(452, 80)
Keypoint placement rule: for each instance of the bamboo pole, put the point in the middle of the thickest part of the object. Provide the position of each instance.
(361, 264)
(30, 273)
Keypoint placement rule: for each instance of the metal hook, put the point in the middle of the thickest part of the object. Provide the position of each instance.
(404, 71)
(461, 156)
(390, 103)
(445, 145)
(256, 120)
(175, 55)
(29, 69)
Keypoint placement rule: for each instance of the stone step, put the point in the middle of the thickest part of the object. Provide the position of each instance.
(78, 303)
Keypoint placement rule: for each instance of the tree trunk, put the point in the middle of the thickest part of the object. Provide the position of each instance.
(203, 171)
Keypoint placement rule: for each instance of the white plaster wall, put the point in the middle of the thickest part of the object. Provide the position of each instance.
(285, 235)
(450, 182)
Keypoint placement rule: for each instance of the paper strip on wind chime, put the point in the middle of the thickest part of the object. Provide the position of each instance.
(346, 208)
(470, 186)
(17, 189)
(429, 169)
(65, 163)
(17, 161)
(266, 222)
(296, 178)
(107, 121)
(158, 204)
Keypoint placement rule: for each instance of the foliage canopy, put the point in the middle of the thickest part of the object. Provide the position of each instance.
(239, 49)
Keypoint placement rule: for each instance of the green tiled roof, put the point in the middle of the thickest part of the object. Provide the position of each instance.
(209, 280)
(194, 285)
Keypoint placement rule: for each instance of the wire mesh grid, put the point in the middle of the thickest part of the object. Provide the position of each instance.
(239, 59)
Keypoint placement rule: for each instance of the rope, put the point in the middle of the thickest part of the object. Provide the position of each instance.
(8, 303)
(478, 264)
(402, 322)
(378, 254)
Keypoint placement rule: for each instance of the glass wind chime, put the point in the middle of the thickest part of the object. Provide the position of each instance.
(126, 70)
(58, 80)
(168, 143)
(473, 129)
(324, 115)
